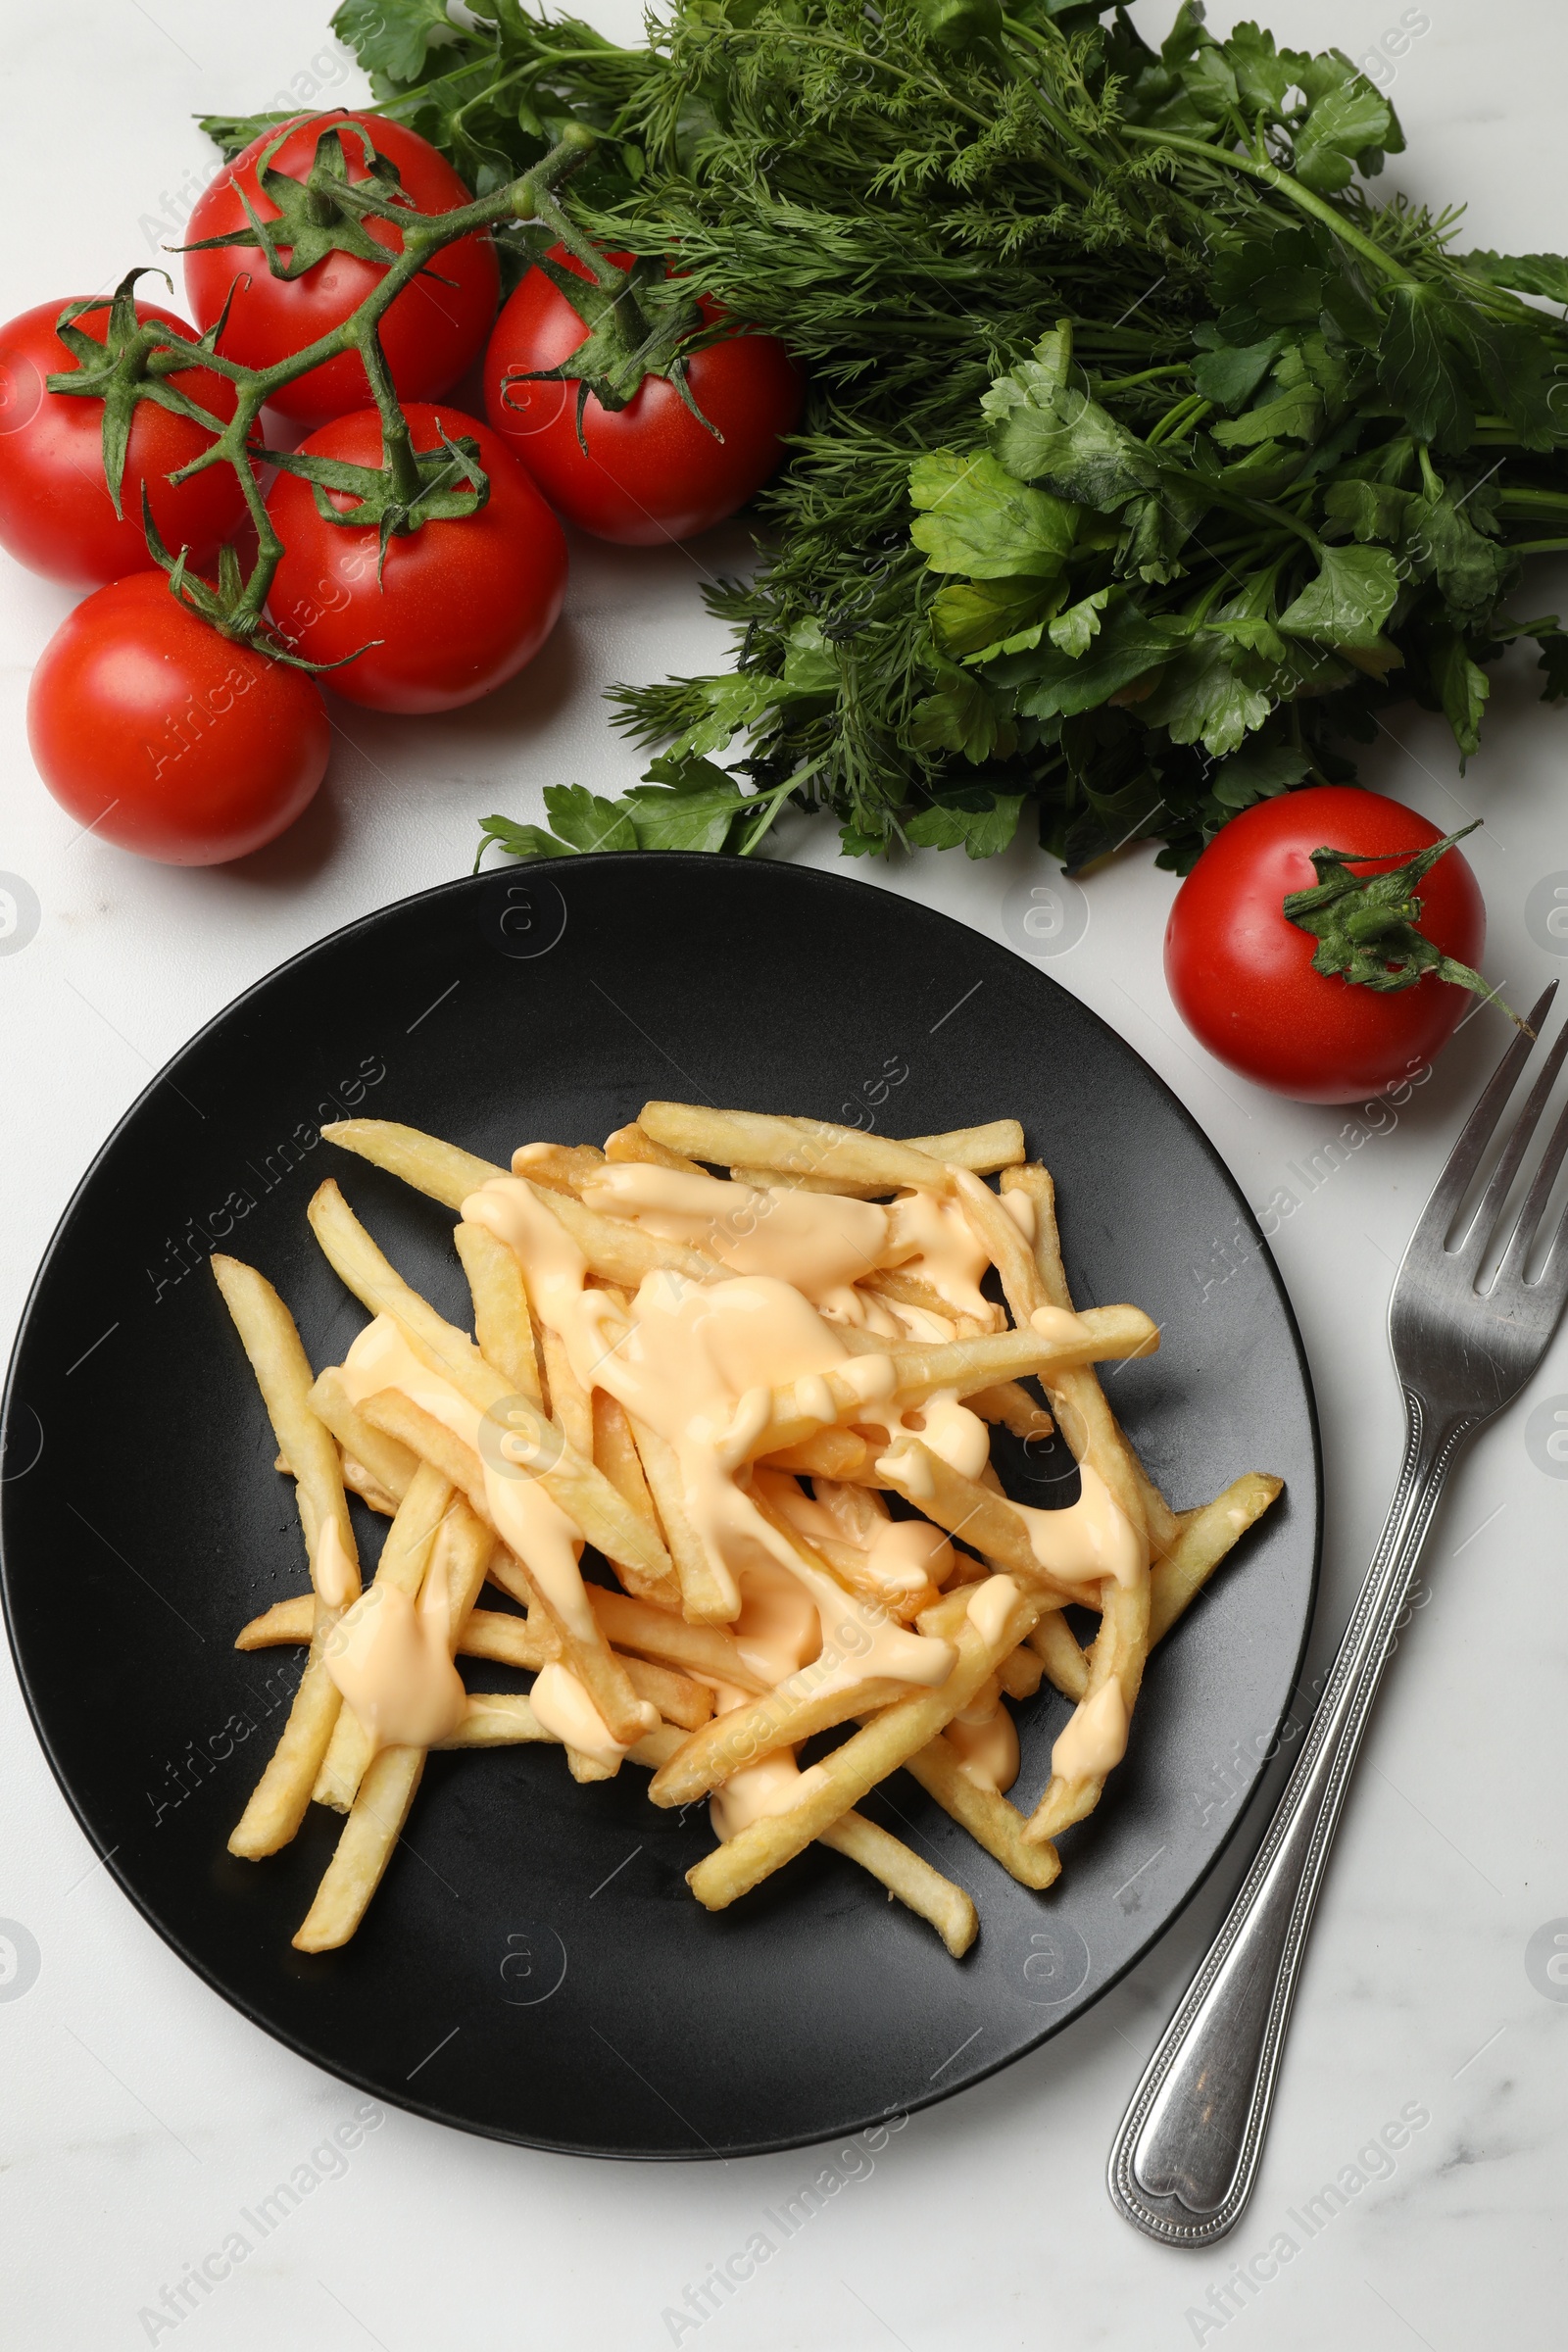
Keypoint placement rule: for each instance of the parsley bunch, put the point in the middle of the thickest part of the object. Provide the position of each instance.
(1147, 458)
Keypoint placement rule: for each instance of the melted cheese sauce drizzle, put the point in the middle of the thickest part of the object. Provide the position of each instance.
(819, 1243)
(392, 1661)
(1094, 1740)
(698, 1363)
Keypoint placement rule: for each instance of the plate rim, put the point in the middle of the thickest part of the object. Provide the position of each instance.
(473, 884)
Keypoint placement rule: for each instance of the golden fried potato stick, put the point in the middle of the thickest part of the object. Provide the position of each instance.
(1014, 1409)
(796, 1146)
(388, 1786)
(1021, 1675)
(283, 1374)
(829, 1452)
(780, 1718)
(1204, 1538)
(631, 1144)
(1056, 1646)
(960, 1365)
(570, 1403)
(389, 1464)
(502, 1322)
(990, 1819)
(1003, 1615)
(405, 1557)
(562, 1167)
(706, 1650)
(997, 1144)
(431, 1166)
(704, 1601)
(615, 1455)
(1119, 1651)
(1036, 1276)
(590, 1659)
(916, 1884)
(1033, 1276)
(586, 1496)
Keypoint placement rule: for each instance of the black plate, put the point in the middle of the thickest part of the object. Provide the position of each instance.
(533, 1966)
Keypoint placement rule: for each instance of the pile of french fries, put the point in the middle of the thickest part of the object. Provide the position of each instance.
(655, 1646)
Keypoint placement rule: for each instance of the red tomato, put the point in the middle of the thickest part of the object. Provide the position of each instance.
(461, 605)
(652, 472)
(1240, 975)
(56, 513)
(433, 332)
(166, 737)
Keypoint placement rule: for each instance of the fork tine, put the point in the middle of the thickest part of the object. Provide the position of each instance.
(1465, 1157)
(1523, 1233)
(1478, 1237)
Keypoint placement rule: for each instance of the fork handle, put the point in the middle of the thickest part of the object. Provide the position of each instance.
(1183, 2163)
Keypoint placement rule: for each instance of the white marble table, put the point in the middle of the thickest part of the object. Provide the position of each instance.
(140, 2114)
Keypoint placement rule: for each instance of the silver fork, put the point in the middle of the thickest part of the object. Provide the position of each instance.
(1184, 2162)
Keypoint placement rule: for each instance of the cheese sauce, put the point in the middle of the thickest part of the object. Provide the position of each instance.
(392, 1661)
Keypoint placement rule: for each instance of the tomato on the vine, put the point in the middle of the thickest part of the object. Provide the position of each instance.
(462, 603)
(167, 738)
(56, 513)
(653, 471)
(431, 332)
(1241, 973)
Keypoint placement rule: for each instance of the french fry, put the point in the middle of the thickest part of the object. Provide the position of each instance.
(405, 1557)
(498, 1719)
(560, 1167)
(1091, 1430)
(704, 1650)
(840, 1780)
(916, 1884)
(1201, 1543)
(444, 1171)
(797, 1146)
(990, 1819)
(1119, 1651)
(986, 1148)
(390, 1464)
(1014, 1409)
(960, 1365)
(617, 1458)
(364, 1851)
(570, 1404)
(1021, 1674)
(1055, 1644)
(632, 1144)
(533, 1642)
(282, 1371)
(362, 1482)
(286, 1621)
(781, 1718)
(826, 1454)
(1086, 1421)
(903, 1289)
(704, 1600)
(502, 1322)
(998, 1143)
